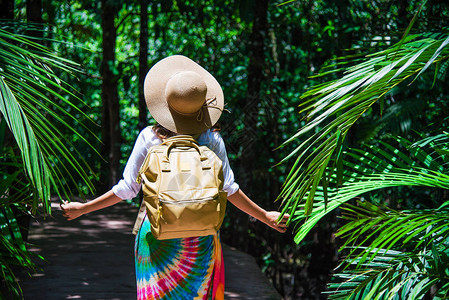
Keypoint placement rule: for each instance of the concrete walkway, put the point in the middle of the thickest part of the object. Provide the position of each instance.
(92, 258)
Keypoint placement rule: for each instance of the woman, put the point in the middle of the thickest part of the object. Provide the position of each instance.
(183, 98)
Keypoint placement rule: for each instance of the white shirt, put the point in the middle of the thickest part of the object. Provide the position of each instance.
(128, 188)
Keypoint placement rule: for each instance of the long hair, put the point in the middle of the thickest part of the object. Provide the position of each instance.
(163, 133)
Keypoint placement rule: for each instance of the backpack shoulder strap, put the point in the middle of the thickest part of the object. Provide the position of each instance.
(139, 218)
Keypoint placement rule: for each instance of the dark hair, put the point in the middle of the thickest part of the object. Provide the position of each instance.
(163, 133)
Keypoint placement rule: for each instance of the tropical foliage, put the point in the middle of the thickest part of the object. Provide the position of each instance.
(388, 254)
(36, 159)
(335, 106)
(377, 271)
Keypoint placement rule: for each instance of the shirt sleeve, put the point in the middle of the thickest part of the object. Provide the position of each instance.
(216, 144)
(127, 187)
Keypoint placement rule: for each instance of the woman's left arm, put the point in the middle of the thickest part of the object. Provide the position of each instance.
(241, 201)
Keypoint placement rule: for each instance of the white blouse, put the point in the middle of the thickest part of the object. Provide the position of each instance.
(128, 188)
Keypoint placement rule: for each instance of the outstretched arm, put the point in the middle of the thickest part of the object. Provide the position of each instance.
(73, 210)
(241, 201)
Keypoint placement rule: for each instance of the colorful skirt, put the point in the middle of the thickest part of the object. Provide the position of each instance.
(189, 268)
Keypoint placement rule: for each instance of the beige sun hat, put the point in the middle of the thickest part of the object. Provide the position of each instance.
(182, 96)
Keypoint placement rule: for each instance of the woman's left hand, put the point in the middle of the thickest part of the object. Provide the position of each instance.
(272, 220)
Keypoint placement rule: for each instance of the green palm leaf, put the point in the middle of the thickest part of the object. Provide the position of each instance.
(34, 162)
(393, 275)
(12, 251)
(335, 106)
(387, 229)
(33, 103)
(375, 169)
(374, 268)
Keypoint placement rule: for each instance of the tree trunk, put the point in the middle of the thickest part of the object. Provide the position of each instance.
(111, 133)
(34, 15)
(50, 9)
(7, 11)
(34, 11)
(250, 143)
(403, 18)
(256, 46)
(143, 62)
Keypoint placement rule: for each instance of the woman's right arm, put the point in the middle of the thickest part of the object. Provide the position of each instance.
(73, 210)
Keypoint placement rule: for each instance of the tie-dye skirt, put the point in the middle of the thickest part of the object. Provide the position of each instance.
(189, 268)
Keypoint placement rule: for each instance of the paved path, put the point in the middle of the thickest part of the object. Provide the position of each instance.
(92, 258)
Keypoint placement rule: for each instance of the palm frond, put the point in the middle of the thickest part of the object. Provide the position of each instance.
(375, 168)
(33, 102)
(378, 227)
(13, 252)
(439, 142)
(335, 106)
(34, 162)
(393, 275)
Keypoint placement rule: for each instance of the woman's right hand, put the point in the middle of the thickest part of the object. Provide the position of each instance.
(272, 220)
(72, 210)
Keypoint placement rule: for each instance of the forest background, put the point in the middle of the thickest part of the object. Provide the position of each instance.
(266, 55)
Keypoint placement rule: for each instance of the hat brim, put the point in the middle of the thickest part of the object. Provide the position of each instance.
(154, 91)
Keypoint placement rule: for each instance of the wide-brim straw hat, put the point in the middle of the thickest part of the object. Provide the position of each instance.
(182, 96)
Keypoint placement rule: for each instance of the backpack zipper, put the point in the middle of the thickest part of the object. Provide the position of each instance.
(190, 201)
(199, 200)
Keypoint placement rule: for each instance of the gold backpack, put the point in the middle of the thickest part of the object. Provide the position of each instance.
(182, 185)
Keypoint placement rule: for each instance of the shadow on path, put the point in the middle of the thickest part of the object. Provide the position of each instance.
(93, 258)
